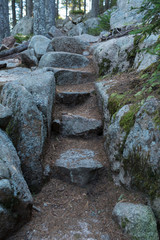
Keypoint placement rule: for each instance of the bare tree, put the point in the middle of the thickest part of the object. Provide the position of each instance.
(4, 19)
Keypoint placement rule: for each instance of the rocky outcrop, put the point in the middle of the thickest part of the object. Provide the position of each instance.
(63, 60)
(126, 14)
(39, 43)
(67, 44)
(144, 59)
(24, 26)
(78, 166)
(132, 144)
(31, 100)
(112, 56)
(137, 220)
(5, 116)
(15, 198)
(28, 58)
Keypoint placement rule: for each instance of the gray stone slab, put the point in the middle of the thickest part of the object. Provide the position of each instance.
(72, 98)
(5, 116)
(78, 126)
(78, 166)
(66, 76)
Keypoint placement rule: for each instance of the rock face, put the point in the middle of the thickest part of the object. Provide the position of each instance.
(112, 56)
(77, 166)
(67, 44)
(39, 43)
(31, 101)
(137, 220)
(133, 151)
(126, 14)
(15, 198)
(144, 59)
(63, 60)
(72, 76)
(24, 26)
(28, 58)
(75, 125)
(55, 32)
(72, 98)
(77, 30)
(5, 116)
(91, 23)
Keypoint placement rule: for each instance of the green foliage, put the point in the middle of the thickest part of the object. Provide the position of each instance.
(151, 24)
(76, 12)
(104, 24)
(20, 37)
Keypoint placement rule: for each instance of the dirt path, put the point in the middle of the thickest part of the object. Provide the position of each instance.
(69, 212)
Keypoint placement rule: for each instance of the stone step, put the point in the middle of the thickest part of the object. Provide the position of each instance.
(77, 166)
(72, 98)
(73, 77)
(78, 126)
(63, 60)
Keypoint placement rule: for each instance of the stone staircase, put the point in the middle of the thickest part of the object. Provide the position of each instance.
(76, 116)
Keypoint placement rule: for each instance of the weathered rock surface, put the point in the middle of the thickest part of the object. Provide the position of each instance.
(144, 59)
(31, 101)
(134, 155)
(39, 43)
(9, 41)
(63, 60)
(28, 58)
(126, 14)
(91, 23)
(87, 38)
(55, 32)
(77, 166)
(71, 76)
(72, 98)
(112, 55)
(67, 44)
(15, 197)
(77, 30)
(5, 116)
(24, 26)
(75, 125)
(155, 204)
(137, 220)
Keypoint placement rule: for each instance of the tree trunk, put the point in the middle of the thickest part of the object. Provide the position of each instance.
(84, 6)
(50, 13)
(95, 8)
(79, 4)
(74, 5)
(66, 8)
(57, 9)
(13, 13)
(39, 26)
(101, 6)
(4, 20)
(29, 8)
(106, 4)
(21, 8)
